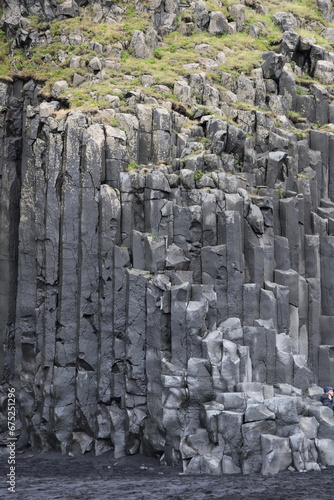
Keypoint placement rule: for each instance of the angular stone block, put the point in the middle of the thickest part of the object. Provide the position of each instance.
(231, 237)
(187, 226)
(289, 278)
(254, 256)
(195, 326)
(252, 447)
(276, 454)
(176, 258)
(268, 307)
(209, 463)
(289, 219)
(325, 417)
(199, 381)
(174, 398)
(206, 294)
(180, 296)
(155, 252)
(326, 364)
(232, 401)
(327, 275)
(262, 352)
(302, 376)
(229, 426)
(258, 411)
(319, 142)
(246, 372)
(326, 451)
(214, 272)
(309, 426)
(282, 305)
(230, 366)
(136, 331)
(209, 413)
(231, 329)
(129, 123)
(251, 303)
(213, 344)
(229, 467)
(326, 330)
(284, 408)
(161, 146)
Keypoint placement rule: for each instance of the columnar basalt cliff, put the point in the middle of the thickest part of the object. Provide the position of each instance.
(167, 279)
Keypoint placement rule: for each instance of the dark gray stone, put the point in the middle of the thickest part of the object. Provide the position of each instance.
(290, 229)
(289, 278)
(252, 447)
(251, 302)
(327, 289)
(282, 253)
(231, 227)
(272, 65)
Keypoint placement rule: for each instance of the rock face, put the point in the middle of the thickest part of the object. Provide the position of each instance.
(166, 289)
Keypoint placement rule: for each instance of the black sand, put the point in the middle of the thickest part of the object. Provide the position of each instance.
(52, 476)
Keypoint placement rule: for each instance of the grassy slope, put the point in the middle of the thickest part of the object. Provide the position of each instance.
(165, 64)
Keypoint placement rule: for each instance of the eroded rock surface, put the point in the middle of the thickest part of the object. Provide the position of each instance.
(166, 288)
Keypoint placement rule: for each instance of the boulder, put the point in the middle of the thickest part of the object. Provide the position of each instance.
(326, 451)
(69, 8)
(219, 24)
(324, 71)
(276, 454)
(328, 33)
(285, 21)
(258, 411)
(237, 11)
(231, 329)
(201, 15)
(58, 88)
(199, 381)
(95, 65)
(284, 408)
(138, 45)
(272, 65)
(325, 7)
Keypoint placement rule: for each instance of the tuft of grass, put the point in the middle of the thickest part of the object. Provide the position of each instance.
(281, 193)
(198, 175)
(133, 166)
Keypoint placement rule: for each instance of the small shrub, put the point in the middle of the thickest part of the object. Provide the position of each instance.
(198, 175)
(281, 193)
(132, 166)
(206, 141)
(157, 53)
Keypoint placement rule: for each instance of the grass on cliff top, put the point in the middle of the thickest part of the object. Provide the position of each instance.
(42, 63)
(306, 9)
(167, 62)
(5, 66)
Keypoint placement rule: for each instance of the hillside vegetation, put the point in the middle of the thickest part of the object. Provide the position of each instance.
(100, 54)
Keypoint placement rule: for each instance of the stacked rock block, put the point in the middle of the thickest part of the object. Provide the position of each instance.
(159, 310)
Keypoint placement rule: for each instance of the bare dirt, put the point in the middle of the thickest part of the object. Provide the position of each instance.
(51, 476)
